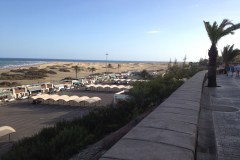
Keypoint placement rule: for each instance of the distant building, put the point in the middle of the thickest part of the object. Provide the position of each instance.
(47, 87)
(19, 92)
(34, 89)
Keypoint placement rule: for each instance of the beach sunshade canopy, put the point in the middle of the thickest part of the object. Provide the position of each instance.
(108, 86)
(71, 98)
(81, 99)
(4, 130)
(130, 80)
(92, 100)
(67, 98)
(63, 97)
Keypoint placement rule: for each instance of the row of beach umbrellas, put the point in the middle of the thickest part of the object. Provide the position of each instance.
(67, 98)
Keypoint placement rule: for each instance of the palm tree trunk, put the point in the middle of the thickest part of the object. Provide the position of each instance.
(212, 53)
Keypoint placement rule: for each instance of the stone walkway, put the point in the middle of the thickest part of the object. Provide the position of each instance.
(206, 148)
(225, 101)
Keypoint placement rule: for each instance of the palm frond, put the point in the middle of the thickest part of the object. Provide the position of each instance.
(216, 32)
(228, 53)
(212, 31)
(225, 23)
(230, 30)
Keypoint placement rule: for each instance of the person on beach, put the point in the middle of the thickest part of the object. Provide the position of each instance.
(232, 70)
(237, 69)
(227, 69)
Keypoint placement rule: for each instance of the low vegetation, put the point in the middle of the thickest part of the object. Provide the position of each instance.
(29, 74)
(54, 66)
(64, 70)
(9, 84)
(67, 138)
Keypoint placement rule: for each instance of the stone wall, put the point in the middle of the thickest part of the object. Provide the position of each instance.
(169, 132)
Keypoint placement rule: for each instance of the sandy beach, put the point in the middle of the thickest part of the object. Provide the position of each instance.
(100, 68)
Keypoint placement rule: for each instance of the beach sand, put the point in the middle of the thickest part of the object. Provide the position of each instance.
(100, 68)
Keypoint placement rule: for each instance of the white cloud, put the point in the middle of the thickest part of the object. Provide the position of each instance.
(153, 32)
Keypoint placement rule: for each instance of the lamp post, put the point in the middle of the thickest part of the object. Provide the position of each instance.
(106, 62)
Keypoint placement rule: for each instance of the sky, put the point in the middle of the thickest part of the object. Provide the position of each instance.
(134, 30)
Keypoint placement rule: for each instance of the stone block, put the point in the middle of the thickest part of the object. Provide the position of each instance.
(173, 116)
(183, 111)
(169, 124)
(145, 150)
(181, 104)
(173, 138)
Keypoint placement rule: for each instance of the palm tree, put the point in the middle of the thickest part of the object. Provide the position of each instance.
(118, 66)
(92, 69)
(229, 53)
(109, 66)
(77, 69)
(215, 33)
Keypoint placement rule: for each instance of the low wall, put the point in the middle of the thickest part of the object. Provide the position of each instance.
(169, 132)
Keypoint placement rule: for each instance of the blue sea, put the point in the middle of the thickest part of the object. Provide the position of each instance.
(20, 62)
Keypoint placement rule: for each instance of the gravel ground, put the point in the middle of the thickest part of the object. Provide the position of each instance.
(28, 119)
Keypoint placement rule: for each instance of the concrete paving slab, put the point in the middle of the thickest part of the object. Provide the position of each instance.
(138, 150)
(179, 100)
(173, 116)
(226, 124)
(182, 111)
(181, 104)
(190, 97)
(189, 89)
(169, 124)
(174, 138)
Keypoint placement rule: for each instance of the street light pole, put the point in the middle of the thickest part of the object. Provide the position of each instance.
(106, 62)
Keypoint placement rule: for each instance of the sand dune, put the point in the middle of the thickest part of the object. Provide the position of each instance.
(100, 68)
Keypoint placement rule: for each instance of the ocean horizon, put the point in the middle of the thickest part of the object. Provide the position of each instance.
(20, 62)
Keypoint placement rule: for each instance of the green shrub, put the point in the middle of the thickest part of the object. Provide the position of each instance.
(33, 68)
(51, 72)
(63, 70)
(52, 67)
(9, 84)
(153, 92)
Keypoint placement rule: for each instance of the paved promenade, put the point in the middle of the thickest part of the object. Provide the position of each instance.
(225, 101)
